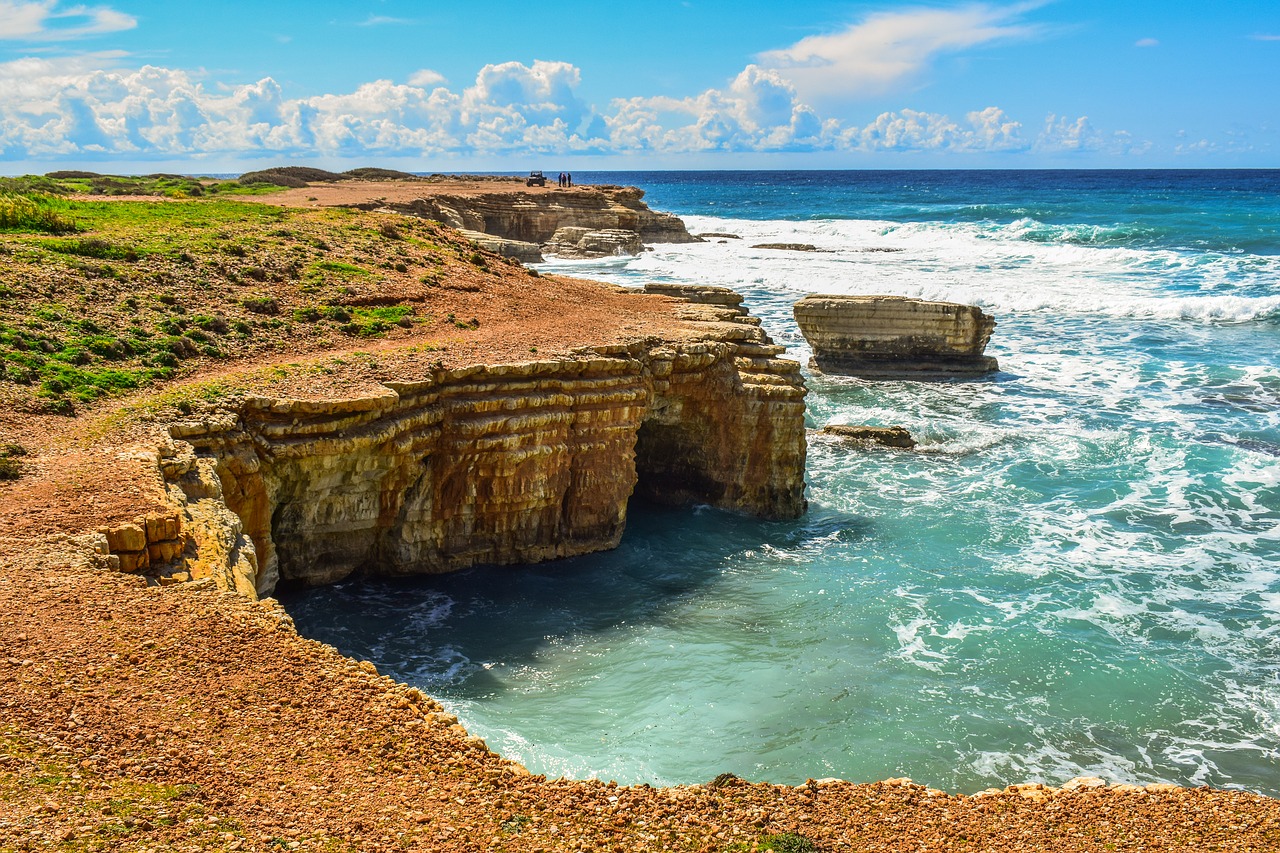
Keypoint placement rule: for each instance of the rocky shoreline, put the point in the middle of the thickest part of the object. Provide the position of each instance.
(160, 705)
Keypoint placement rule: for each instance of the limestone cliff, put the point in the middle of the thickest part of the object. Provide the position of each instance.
(526, 220)
(491, 464)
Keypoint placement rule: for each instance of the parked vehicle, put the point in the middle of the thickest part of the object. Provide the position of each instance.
(536, 179)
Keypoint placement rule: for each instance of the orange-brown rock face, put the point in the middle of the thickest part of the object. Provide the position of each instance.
(535, 217)
(893, 336)
(494, 464)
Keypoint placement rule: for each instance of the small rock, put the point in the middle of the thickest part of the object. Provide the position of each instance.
(894, 436)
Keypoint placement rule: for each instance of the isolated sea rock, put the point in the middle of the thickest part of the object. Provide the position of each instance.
(789, 247)
(880, 337)
(894, 436)
(492, 464)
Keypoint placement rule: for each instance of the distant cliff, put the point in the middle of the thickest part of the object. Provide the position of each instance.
(531, 220)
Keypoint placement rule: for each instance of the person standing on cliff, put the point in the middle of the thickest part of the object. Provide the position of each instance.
(568, 179)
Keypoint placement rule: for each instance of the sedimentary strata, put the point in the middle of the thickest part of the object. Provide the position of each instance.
(534, 217)
(895, 337)
(487, 464)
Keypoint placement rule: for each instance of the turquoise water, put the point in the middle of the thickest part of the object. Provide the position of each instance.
(1078, 572)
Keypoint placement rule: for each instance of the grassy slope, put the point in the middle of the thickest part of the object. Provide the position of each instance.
(147, 290)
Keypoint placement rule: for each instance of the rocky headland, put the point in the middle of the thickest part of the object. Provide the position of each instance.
(514, 220)
(204, 396)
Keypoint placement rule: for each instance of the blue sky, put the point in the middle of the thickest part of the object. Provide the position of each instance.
(224, 86)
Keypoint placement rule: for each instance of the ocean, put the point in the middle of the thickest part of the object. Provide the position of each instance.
(1076, 573)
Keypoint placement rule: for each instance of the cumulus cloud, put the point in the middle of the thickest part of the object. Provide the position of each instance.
(759, 111)
(910, 130)
(54, 108)
(43, 20)
(425, 77)
(886, 50)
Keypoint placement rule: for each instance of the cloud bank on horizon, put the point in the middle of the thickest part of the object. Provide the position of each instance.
(102, 105)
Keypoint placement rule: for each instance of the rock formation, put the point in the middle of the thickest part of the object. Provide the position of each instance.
(488, 464)
(894, 436)
(534, 218)
(574, 242)
(525, 253)
(895, 337)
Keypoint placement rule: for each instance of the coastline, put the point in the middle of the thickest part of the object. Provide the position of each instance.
(217, 670)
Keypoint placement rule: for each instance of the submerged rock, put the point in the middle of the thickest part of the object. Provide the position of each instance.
(894, 337)
(790, 247)
(894, 436)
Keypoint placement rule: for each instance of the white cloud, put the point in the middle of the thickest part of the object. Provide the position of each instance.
(1063, 134)
(382, 20)
(42, 20)
(1265, 37)
(758, 112)
(889, 49)
(1147, 42)
(84, 107)
(425, 77)
(910, 130)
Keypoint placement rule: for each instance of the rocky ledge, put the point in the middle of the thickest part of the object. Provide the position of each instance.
(582, 222)
(894, 337)
(486, 464)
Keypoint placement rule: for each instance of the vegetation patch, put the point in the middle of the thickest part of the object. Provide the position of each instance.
(94, 247)
(33, 213)
(11, 461)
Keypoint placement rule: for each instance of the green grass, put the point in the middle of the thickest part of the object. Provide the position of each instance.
(34, 213)
(340, 268)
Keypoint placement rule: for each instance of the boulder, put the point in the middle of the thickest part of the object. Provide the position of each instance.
(894, 436)
(895, 337)
(579, 242)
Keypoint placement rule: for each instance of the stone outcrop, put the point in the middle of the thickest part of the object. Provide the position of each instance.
(894, 436)
(534, 218)
(789, 247)
(574, 242)
(491, 464)
(895, 337)
(525, 253)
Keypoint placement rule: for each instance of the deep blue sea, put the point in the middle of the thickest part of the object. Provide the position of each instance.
(1077, 572)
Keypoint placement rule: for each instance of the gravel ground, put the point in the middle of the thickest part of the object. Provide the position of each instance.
(182, 718)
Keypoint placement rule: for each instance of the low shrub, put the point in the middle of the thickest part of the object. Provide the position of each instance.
(32, 213)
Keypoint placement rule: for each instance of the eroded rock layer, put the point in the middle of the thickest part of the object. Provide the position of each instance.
(535, 217)
(491, 464)
(894, 336)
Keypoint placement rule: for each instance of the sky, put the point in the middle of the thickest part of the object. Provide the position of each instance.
(227, 86)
